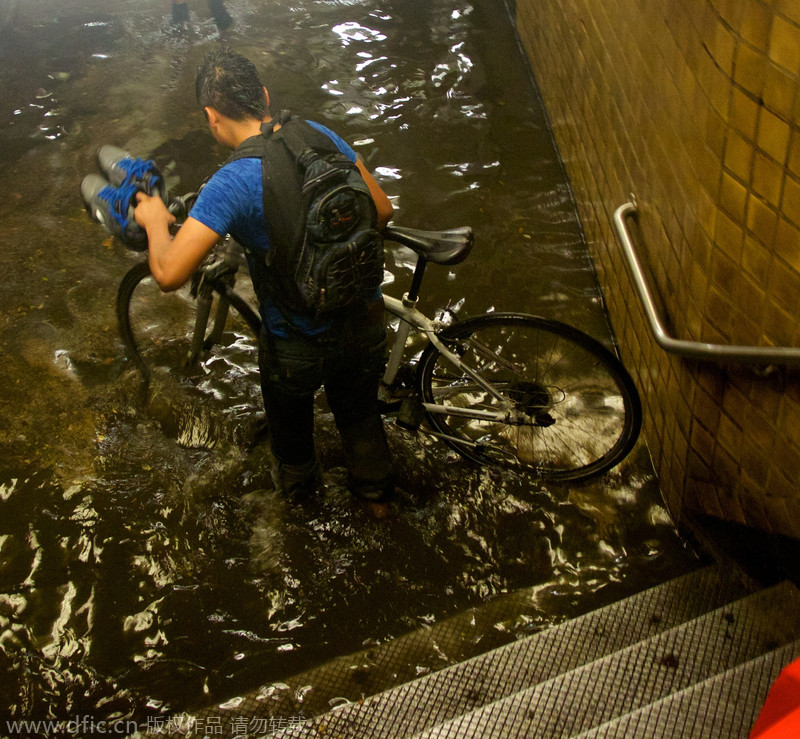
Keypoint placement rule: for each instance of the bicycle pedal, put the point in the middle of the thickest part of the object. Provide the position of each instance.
(410, 414)
(390, 397)
(388, 407)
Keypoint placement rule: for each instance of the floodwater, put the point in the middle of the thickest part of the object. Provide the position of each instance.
(146, 566)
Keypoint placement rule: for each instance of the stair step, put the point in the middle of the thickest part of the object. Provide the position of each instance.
(726, 705)
(641, 674)
(482, 680)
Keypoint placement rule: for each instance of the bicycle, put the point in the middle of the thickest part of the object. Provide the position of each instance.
(511, 389)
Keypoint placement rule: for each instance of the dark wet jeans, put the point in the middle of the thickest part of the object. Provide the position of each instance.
(347, 360)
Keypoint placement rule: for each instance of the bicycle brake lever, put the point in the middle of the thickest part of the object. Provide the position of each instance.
(180, 205)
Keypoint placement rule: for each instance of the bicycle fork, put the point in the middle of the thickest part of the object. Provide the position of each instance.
(201, 342)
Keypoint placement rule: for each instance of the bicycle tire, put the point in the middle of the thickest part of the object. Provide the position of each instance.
(584, 410)
(156, 328)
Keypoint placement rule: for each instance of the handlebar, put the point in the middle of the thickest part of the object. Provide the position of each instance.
(180, 205)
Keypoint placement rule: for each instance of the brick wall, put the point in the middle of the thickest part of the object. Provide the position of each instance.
(694, 107)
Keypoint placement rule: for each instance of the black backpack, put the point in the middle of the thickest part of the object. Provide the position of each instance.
(326, 253)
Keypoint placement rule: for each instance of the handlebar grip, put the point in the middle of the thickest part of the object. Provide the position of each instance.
(180, 205)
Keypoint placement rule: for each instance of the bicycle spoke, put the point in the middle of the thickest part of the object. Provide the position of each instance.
(158, 329)
(567, 404)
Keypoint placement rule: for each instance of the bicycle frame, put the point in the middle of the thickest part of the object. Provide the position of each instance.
(410, 317)
(479, 370)
(219, 277)
(404, 309)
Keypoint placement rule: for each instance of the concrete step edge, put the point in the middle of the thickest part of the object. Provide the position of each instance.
(566, 704)
(491, 676)
(726, 705)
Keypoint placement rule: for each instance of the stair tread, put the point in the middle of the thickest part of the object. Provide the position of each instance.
(725, 705)
(640, 674)
(487, 678)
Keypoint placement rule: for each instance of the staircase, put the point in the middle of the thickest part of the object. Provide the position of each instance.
(693, 657)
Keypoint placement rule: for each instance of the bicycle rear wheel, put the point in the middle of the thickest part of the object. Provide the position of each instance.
(575, 412)
(157, 328)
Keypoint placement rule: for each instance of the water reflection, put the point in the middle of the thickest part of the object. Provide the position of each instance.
(145, 563)
(353, 31)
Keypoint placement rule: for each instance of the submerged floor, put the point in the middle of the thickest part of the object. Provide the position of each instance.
(146, 567)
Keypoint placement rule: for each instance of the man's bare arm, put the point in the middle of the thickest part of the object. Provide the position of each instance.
(172, 260)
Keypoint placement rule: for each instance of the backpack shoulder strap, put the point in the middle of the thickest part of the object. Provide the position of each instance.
(259, 145)
(298, 135)
(280, 180)
(285, 207)
(295, 134)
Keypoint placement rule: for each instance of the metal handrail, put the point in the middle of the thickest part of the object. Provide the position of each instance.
(764, 355)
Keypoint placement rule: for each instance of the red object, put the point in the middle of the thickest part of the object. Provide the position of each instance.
(780, 716)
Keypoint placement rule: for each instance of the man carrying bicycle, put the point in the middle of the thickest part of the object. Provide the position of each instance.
(299, 353)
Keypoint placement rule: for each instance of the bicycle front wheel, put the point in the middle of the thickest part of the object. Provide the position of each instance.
(159, 329)
(564, 406)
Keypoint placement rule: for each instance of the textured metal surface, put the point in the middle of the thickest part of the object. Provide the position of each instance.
(693, 657)
(449, 644)
(643, 673)
(724, 706)
(459, 690)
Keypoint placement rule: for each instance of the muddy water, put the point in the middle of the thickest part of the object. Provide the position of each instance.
(145, 563)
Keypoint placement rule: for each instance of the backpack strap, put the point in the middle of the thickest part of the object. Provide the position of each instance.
(279, 150)
(284, 204)
(281, 183)
(297, 135)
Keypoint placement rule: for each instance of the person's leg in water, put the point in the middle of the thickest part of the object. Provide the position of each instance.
(290, 376)
(180, 13)
(352, 376)
(220, 14)
(349, 359)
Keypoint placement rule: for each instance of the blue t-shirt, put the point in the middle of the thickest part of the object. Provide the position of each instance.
(232, 202)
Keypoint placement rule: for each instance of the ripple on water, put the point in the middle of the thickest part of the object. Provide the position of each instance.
(146, 563)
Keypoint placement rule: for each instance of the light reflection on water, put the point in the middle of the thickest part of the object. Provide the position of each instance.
(145, 563)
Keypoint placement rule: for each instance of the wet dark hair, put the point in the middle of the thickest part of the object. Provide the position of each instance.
(229, 83)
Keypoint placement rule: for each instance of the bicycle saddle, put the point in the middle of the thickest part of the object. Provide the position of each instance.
(440, 247)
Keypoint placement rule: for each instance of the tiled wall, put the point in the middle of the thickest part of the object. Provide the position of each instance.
(693, 106)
